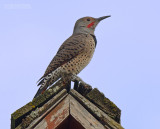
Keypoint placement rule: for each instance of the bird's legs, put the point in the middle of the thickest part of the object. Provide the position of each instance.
(72, 77)
(67, 78)
(75, 78)
(80, 86)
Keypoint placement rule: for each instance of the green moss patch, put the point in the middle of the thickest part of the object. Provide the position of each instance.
(104, 104)
(18, 115)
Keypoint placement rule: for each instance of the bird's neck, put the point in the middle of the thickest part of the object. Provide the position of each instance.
(83, 31)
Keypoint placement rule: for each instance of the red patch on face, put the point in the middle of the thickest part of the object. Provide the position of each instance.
(91, 24)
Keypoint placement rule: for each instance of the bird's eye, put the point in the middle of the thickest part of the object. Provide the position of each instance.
(88, 19)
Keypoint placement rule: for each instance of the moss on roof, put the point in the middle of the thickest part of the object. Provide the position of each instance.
(18, 115)
(104, 104)
(93, 95)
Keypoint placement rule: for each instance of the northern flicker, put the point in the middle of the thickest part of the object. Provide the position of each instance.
(73, 55)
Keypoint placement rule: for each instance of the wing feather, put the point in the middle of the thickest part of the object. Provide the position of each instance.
(72, 47)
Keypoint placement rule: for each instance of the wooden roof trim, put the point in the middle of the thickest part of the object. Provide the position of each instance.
(35, 116)
(18, 115)
(95, 111)
(68, 107)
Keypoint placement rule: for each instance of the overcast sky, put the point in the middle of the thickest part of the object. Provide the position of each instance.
(125, 65)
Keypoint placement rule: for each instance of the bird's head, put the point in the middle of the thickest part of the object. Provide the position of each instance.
(87, 24)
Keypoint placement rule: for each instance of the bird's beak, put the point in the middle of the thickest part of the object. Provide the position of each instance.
(101, 18)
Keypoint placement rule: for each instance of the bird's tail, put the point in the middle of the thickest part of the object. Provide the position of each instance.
(44, 84)
(40, 91)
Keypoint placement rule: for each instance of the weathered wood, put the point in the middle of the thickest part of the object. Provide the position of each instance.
(104, 104)
(17, 116)
(83, 89)
(56, 109)
(96, 112)
(39, 113)
(83, 116)
(55, 116)
(64, 108)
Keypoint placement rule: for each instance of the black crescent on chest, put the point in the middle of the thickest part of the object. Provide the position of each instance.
(95, 40)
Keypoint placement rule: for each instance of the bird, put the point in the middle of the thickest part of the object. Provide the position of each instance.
(73, 55)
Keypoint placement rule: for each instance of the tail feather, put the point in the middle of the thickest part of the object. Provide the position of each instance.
(44, 84)
(46, 81)
(40, 82)
(40, 91)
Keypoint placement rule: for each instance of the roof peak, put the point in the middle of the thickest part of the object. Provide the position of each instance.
(89, 98)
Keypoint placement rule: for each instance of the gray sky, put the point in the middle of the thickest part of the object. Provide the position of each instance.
(125, 66)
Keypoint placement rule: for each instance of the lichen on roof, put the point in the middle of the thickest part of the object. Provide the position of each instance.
(104, 104)
(27, 114)
(18, 115)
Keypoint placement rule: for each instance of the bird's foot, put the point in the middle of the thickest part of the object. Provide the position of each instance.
(75, 78)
